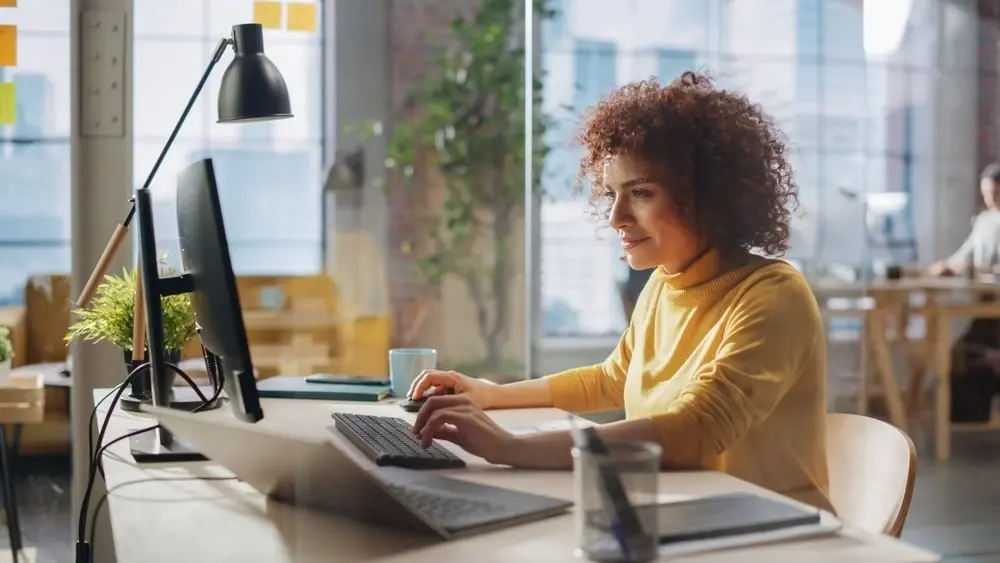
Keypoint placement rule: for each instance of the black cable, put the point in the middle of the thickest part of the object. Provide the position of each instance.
(93, 416)
(84, 551)
(98, 455)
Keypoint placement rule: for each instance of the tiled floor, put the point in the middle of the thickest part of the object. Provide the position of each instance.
(955, 510)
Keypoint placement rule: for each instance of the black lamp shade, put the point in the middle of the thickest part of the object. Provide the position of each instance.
(252, 88)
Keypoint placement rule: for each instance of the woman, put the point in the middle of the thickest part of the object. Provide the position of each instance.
(724, 360)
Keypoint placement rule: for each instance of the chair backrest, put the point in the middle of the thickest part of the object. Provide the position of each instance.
(872, 466)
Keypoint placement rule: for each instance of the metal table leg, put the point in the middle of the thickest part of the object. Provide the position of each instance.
(7, 484)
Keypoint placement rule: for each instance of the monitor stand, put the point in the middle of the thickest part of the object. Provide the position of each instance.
(149, 447)
(184, 399)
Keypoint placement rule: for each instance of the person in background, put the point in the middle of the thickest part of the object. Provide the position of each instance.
(724, 360)
(981, 250)
(975, 356)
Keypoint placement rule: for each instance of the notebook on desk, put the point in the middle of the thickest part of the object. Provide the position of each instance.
(292, 387)
(734, 514)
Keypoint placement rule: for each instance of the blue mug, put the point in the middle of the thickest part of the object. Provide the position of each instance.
(405, 364)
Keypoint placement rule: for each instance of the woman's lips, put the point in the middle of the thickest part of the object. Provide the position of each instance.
(628, 244)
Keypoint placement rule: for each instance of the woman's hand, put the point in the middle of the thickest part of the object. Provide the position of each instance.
(479, 392)
(457, 419)
(941, 269)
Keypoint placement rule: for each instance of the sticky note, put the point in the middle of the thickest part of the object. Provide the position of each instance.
(8, 103)
(301, 16)
(8, 45)
(267, 14)
(8, 3)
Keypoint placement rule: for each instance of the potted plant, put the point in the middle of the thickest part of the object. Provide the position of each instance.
(6, 355)
(110, 317)
(465, 121)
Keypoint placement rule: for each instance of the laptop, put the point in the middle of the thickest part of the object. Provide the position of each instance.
(316, 470)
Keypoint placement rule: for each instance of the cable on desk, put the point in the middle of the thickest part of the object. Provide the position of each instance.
(84, 551)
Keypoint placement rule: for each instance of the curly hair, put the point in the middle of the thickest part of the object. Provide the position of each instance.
(725, 159)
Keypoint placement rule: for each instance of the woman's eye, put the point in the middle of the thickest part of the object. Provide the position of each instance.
(640, 192)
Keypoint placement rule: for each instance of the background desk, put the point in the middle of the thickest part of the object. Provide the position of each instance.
(155, 520)
(945, 299)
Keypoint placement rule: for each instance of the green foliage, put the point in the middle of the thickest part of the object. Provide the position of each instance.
(110, 315)
(6, 348)
(466, 120)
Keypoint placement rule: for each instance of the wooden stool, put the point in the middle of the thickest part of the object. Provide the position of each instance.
(22, 402)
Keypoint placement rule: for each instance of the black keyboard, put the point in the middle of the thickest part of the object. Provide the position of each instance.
(388, 440)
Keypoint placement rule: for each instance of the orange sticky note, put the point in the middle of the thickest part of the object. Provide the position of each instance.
(301, 16)
(8, 103)
(267, 14)
(8, 3)
(8, 45)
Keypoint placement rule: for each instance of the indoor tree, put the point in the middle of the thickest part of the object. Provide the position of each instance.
(465, 121)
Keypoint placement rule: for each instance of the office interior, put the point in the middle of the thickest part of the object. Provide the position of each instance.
(340, 234)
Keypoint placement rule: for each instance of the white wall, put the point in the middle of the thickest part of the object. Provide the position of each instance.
(955, 149)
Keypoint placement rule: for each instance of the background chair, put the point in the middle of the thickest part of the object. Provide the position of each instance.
(873, 466)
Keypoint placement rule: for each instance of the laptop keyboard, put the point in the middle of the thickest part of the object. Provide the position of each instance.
(389, 440)
(449, 511)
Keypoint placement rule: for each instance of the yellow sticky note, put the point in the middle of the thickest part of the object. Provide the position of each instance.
(301, 16)
(8, 3)
(267, 14)
(8, 45)
(8, 103)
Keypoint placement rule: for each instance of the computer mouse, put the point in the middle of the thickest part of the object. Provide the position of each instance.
(413, 405)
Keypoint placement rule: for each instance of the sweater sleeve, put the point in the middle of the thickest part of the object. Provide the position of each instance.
(597, 387)
(964, 255)
(770, 332)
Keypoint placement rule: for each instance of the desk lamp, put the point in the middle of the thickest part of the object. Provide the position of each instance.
(252, 90)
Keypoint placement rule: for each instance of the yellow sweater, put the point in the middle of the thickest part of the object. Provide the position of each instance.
(728, 358)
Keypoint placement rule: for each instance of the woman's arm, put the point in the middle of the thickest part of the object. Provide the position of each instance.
(521, 394)
(760, 358)
(584, 389)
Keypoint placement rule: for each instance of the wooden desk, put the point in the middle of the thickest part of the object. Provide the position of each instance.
(161, 520)
(891, 300)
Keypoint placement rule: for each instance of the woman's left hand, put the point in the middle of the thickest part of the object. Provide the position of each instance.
(457, 419)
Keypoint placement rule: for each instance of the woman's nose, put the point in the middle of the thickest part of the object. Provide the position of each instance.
(621, 215)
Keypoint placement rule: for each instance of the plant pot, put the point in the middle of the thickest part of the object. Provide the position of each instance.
(140, 387)
(5, 373)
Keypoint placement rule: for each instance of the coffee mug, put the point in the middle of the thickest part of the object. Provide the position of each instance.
(405, 364)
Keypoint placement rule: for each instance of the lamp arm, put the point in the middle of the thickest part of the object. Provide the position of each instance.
(216, 57)
(101, 268)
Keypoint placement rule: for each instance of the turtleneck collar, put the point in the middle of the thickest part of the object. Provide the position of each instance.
(709, 276)
(703, 269)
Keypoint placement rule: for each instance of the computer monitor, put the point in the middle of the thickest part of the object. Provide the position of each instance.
(208, 276)
(216, 300)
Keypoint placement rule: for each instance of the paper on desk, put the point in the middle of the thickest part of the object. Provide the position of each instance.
(535, 427)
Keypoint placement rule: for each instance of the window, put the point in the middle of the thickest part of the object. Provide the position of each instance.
(580, 258)
(674, 62)
(855, 125)
(269, 173)
(34, 151)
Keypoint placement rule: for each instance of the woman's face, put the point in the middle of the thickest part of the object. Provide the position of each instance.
(645, 217)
